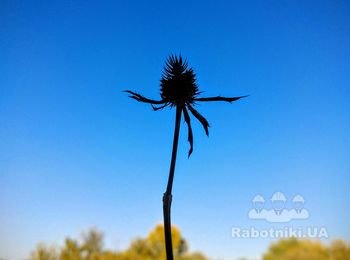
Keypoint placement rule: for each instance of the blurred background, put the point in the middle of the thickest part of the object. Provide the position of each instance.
(76, 153)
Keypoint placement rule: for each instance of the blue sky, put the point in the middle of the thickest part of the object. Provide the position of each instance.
(75, 152)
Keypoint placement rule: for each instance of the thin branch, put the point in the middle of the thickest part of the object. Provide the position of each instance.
(158, 108)
(219, 98)
(190, 135)
(141, 98)
(201, 119)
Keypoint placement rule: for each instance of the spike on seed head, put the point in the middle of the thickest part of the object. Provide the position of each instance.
(178, 83)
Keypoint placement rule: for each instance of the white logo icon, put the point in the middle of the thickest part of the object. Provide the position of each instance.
(278, 211)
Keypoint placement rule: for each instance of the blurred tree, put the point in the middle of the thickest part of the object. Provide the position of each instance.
(156, 242)
(70, 251)
(43, 252)
(153, 247)
(293, 249)
(92, 243)
(339, 251)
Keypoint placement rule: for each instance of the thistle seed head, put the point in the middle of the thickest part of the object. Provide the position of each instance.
(178, 83)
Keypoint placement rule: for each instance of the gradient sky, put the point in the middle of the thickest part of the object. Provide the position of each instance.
(76, 152)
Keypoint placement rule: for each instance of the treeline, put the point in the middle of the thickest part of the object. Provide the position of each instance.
(294, 249)
(91, 247)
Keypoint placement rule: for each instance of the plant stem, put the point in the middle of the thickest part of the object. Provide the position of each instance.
(167, 197)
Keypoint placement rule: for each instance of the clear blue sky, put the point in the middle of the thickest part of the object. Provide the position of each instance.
(75, 152)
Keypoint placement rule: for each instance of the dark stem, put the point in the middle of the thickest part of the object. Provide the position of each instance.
(167, 197)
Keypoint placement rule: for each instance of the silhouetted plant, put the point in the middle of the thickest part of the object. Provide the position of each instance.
(178, 88)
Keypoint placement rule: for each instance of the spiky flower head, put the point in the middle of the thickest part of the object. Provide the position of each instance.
(178, 88)
(178, 83)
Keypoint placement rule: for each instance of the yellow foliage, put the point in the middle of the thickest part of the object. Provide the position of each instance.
(91, 248)
(43, 252)
(293, 249)
(339, 251)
